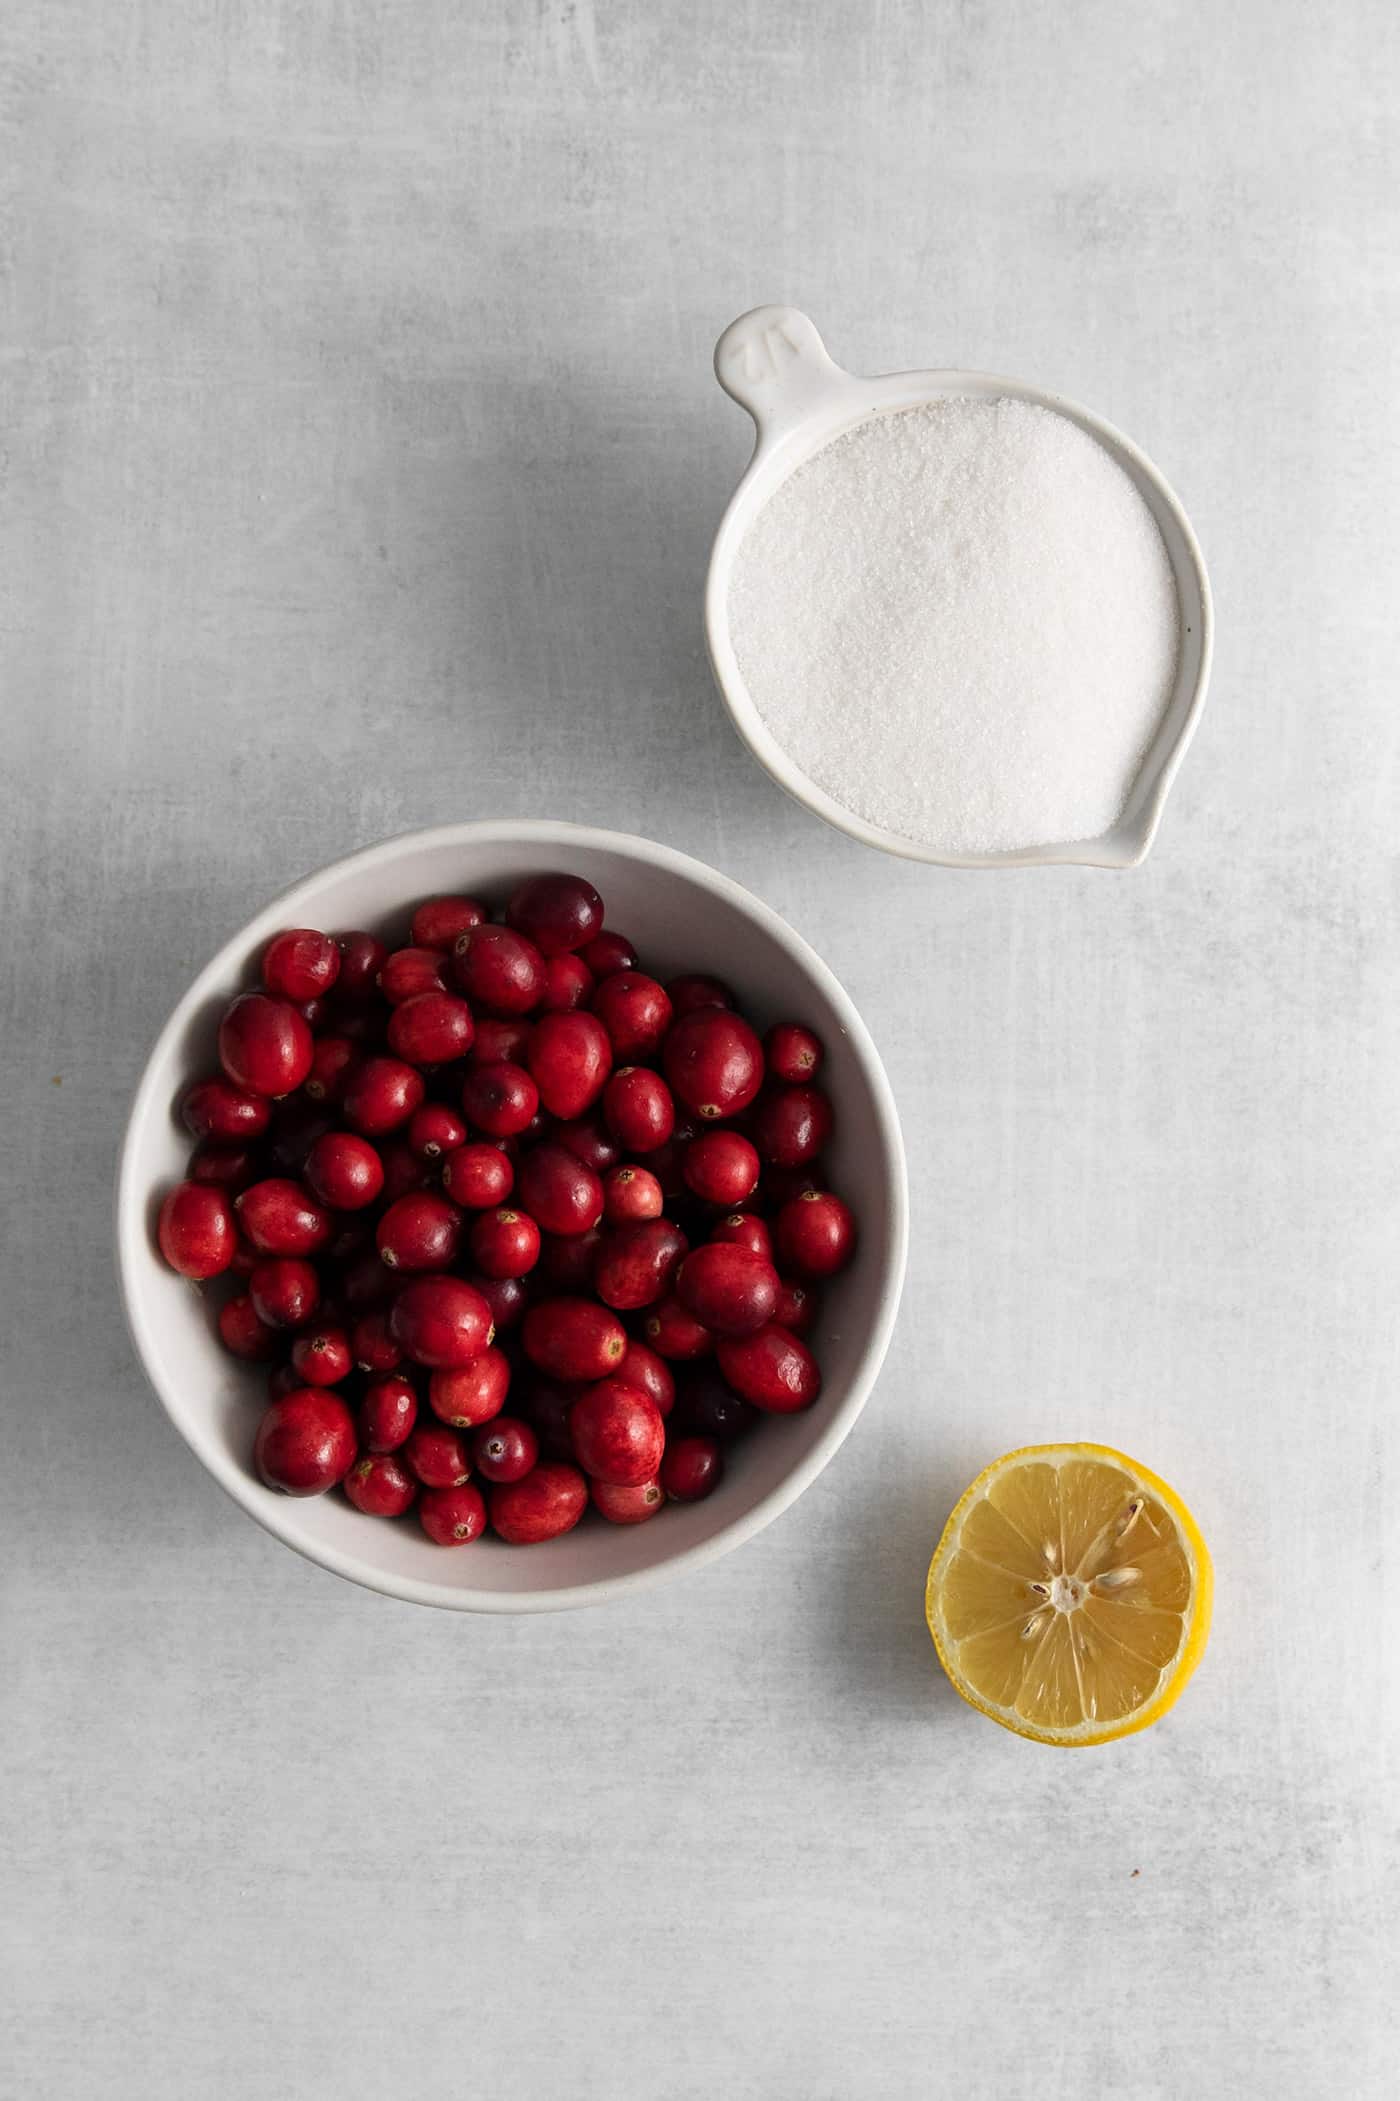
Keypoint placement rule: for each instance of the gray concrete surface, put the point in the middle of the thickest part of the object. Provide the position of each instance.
(360, 459)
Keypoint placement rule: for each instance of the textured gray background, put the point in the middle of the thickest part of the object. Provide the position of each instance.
(361, 456)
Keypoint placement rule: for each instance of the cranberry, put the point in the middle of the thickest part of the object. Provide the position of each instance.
(322, 1356)
(380, 1095)
(365, 1284)
(332, 1062)
(300, 965)
(791, 1125)
(478, 1176)
(285, 1292)
(570, 1058)
(388, 1411)
(305, 1442)
(439, 920)
(557, 912)
(245, 1258)
(361, 1025)
(632, 1505)
(344, 1171)
(223, 1166)
(815, 1234)
(642, 1367)
(315, 1012)
(283, 1380)
(665, 1162)
(440, 1321)
(772, 1369)
(504, 1243)
(635, 1263)
(568, 982)
(452, 1517)
(373, 1343)
(709, 1409)
(729, 1289)
(606, 954)
(264, 1044)
(380, 1486)
(437, 1455)
(468, 1394)
(690, 993)
(505, 1449)
(547, 1502)
(793, 1054)
(636, 1012)
(218, 1109)
(196, 1230)
(500, 1040)
(549, 1408)
(676, 1334)
(692, 1469)
(500, 969)
(629, 1194)
(361, 960)
(432, 1029)
(714, 1062)
(638, 1109)
(573, 1339)
(782, 1184)
(618, 1433)
(742, 1229)
(420, 1231)
(721, 1167)
(798, 1306)
(499, 1099)
(566, 1261)
(295, 1127)
(506, 1296)
(587, 1139)
(410, 972)
(558, 1191)
(282, 1218)
(243, 1334)
(434, 1130)
(404, 1173)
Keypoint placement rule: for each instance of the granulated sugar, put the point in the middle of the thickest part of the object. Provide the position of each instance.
(961, 622)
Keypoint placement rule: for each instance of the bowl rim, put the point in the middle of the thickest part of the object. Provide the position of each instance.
(132, 1198)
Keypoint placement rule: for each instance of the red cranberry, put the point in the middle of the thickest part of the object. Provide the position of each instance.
(606, 954)
(218, 1109)
(692, 1469)
(632, 1505)
(196, 1230)
(570, 1057)
(791, 1125)
(568, 983)
(587, 1139)
(729, 1289)
(721, 1167)
(714, 1062)
(629, 1194)
(469, 1394)
(557, 912)
(434, 1130)
(440, 1321)
(478, 1176)
(437, 1455)
(243, 1334)
(380, 1486)
(361, 960)
(636, 1012)
(410, 972)
(322, 1356)
(344, 1171)
(690, 993)
(676, 1334)
(772, 1369)
(332, 1062)
(642, 1367)
(305, 1442)
(380, 1095)
(285, 1292)
(798, 1306)
(315, 1012)
(373, 1344)
(793, 1054)
(815, 1234)
(573, 1339)
(439, 920)
(300, 965)
(618, 1433)
(507, 1298)
(504, 1243)
(566, 1262)
(264, 1044)
(452, 1517)
(230, 1167)
(421, 1231)
(499, 1099)
(505, 1449)
(709, 1409)
(432, 1029)
(635, 1264)
(282, 1218)
(500, 1040)
(558, 1191)
(638, 1109)
(665, 1162)
(742, 1229)
(499, 968)
(547, 1502)
(388, 1411)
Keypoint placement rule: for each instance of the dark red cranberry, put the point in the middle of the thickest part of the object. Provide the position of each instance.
(305, 1442)
(793, 1054)
(642, 1367)
(694, 991)
(798, 1306)
(549, 1406)
(282, 1380)
(373, 1343)
(226, 1166)
(499, 968)
(692, 1468)
(473, 1393)
(322, 1356)
(635, 1264)
(815, 1234)
(315, 1013)
(638, 1109)
(435, 1129)
(218, 1109)
(264, 1044)
(196, 1230)
(410, 972)
(440, 1321)
(546, 1503)
(361, 960)
(300, 965)
(729, 1289)
(588, 1140)
(437, 1455)
(388, 1412)
(665, 1162)
(499, 1099)
(332, 1062)
(344, 1171)
(452, 1517)
(558, 1191)
(243, 1334)
(432, 1029)
(742, 1229)
(607, 954)
(772, 1369)
(721, 1167)
(439, 920)
(568, 983)
(566, 1262)
(504, 1243)
(365, 1284)
(245, 1259)
(285, 1292)
(506, 1296)
(505, 1449)
(557, 912)
(381, 1094)
(675, 1334)
(629, 1194)
(282, 1218)
(295, 1127)
(790, 1125)
(363, 1025)
(781, 1184)
(570, 1058)
(708, 1408)
(714, 1062)
(500, 1040)
(618, 1433)
(636, 1012)
(632, 1505)
(422, 1231)
(404, 1173)
(380, 1486)
(478, 1176)
(576, 1340)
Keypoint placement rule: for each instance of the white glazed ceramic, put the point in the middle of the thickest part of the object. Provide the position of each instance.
(682, 916)
(774, 364)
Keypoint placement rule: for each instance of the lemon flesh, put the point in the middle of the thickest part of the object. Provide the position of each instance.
(1069, 1597)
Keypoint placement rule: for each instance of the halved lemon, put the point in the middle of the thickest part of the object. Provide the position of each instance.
(1069, 1597)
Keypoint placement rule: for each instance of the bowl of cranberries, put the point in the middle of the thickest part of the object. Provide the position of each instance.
(513, 1186)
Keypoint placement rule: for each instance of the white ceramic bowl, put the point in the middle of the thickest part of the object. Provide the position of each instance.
(774, 364)
(682, 916)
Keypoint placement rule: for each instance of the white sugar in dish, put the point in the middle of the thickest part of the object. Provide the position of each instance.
(960, 620)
